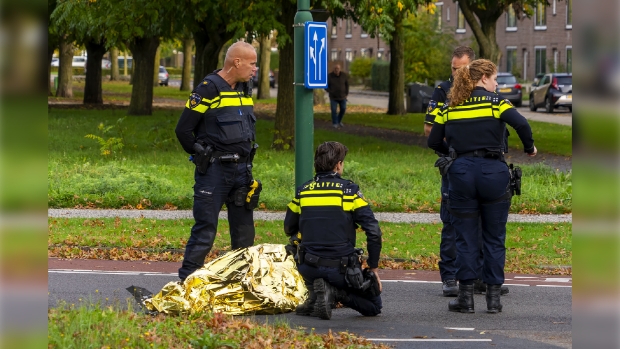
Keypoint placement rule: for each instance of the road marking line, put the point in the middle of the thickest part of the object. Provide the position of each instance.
(554, 286)
(107, 272)
(427, 340)
(558, 280)
(460, 328)
(414, 281)
(526, 277)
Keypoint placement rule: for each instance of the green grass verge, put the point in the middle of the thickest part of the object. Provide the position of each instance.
(151, 169)
(529, 245)
(98, 325)
(549, 138)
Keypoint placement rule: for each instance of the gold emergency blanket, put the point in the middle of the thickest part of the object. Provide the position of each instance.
(260, 279)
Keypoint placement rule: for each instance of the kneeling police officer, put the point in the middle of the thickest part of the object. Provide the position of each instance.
(326, 212)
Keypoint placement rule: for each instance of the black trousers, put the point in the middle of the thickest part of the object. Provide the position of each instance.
(367, 306)
(211, 192)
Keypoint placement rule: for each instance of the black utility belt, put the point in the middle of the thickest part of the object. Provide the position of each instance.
(482, 153)
(229, 157)
(317, 261)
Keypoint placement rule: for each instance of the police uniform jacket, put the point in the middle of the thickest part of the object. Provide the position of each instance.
(479, 123)
(439, 98)
(219, 116)
(327, 210)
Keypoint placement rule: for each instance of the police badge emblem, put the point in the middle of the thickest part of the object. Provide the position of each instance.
(431, 106)
(508, 102)
(194, 100)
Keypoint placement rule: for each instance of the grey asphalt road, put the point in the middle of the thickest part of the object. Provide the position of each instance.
(414, 315)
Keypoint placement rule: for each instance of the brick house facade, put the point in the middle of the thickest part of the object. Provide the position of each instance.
(529, 46)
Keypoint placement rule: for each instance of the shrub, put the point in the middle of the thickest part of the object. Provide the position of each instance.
(380, 76)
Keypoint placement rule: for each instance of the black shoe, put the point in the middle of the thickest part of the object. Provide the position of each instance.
(325, 299)
(450, 288)
(464, 303)
(493, 299)
(481, 288)
(307, 307)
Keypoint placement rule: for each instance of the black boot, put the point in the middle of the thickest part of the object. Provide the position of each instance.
(307, 307)
(493, 299)
(481, 288)
(450, 288)
(325, 299)
(464, 302)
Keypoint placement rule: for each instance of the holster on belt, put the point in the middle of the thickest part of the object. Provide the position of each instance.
(202, 158)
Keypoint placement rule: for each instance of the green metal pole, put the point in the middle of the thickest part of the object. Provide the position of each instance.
(304, 114)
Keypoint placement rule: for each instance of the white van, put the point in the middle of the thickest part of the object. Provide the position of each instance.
(79, 62)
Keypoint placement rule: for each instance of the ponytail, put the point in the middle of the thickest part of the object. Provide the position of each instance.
(466, 78)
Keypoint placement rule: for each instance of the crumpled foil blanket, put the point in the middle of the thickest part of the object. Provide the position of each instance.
(260, 279)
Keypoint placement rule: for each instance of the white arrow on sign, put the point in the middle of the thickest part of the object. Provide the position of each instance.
(321, 50)
(312, 55)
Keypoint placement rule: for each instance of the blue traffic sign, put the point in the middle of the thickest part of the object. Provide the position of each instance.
(315, 43)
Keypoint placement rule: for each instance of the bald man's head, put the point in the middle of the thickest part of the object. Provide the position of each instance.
(240, 62)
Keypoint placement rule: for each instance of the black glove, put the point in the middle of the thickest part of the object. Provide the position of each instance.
(444, 163)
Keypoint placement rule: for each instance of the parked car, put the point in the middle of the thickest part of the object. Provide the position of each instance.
(79, 62)
(509, 88)
(163, 76)
(55, 62)
(553, 91)
(106, 64)
(272, 80)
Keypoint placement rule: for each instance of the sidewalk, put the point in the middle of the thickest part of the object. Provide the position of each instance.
(271, 216)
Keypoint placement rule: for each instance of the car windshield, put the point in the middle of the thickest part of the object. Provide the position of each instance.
(565, 80)
(162, 69)
(506, 79)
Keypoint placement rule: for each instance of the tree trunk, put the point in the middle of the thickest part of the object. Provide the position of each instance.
(396, 101)
(65, 69)
(125, 63)
(114, 73)
(483, 24)
(265, 60)
(284, 133)
(92, 87)
(143, 50)
(187, 65)
(209, 43)
(157, 64)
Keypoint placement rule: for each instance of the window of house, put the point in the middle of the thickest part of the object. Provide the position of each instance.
(569, 59)
(438, 12)
(511, 58)
(348, 55)
(363, 52)
(460, 20)
(540, 18)
(447, 14)
(349, 29)
(554, 12)
(569, 14)
(364, 34)
(541, 60)
(380, 54)
(556, 58)
(511, 20)
(335, 29)
(334, 54)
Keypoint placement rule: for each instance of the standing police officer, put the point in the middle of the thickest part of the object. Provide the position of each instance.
(217, 127)
(461, 56)
(473, 125)
(326, 211)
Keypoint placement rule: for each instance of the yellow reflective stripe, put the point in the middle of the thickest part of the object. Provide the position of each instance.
(353, 202)
(460, 114)
(503, 106)
(247, 101)
(294, 207)
(321, 192)
(235, 102)
(440, 118)
(211, 101)
(235, 94)
(201, 108)
(321, 201)
(359, 202)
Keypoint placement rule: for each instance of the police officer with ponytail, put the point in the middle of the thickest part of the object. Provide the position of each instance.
(217, 127)
(473, 123)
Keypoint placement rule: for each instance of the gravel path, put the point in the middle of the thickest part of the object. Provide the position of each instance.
(271, 216)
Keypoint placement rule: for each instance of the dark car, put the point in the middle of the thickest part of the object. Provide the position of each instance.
(163, 76)
(552, 91)
(509, 88)
(272, 80)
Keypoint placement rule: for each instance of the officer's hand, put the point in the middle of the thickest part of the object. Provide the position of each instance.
(534, 152)
(376, 271)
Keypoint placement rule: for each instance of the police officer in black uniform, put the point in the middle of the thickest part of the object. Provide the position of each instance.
(473, 125)
(461, 56)
(326, 211)
(217, 127)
